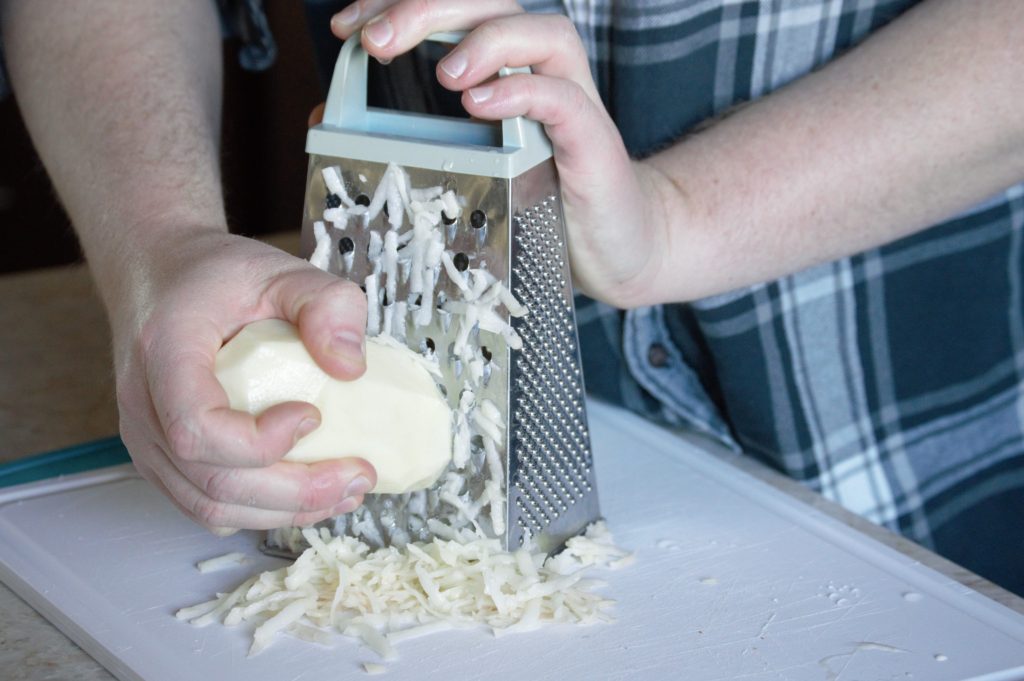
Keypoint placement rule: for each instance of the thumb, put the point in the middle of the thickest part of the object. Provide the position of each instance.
(331, 316)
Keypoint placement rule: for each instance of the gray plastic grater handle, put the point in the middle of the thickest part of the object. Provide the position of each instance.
(351, 129)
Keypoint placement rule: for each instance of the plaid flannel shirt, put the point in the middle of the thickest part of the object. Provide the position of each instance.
(889, 381)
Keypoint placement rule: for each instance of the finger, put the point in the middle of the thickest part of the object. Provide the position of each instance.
(316, 115)
(193, 410)
(219, 515)
(284, 486)
(548, 43)
(406, 24)
(592, 162)
(134, 416)
(584, 137)
(352, 18)
(152, 478)
(331, 316)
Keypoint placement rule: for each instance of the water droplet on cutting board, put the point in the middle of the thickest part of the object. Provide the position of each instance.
(912, 596)
(840, 596)
(939, 657)
(668, 545)
(709, 581)
(447, 166)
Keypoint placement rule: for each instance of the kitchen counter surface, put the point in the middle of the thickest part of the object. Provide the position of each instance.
(58, 390)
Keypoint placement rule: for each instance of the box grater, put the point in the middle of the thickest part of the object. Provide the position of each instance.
(510, 225)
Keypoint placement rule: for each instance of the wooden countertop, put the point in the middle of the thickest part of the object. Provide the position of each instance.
(57, 390)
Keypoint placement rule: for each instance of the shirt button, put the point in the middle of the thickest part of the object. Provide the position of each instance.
(657, 355)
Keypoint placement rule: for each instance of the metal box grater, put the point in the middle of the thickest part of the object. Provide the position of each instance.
(511, 225)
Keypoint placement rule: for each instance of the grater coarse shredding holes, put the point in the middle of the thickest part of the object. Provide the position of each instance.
(479, 216)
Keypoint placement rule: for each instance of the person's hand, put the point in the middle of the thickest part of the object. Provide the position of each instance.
(838, 161)
(613, 206)
(219, 466)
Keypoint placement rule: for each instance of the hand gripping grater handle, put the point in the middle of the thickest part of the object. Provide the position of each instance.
(512, 226)
(351, 129)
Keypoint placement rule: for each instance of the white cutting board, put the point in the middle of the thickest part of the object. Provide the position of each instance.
(733, 580)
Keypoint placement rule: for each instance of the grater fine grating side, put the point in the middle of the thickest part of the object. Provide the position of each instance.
(552, 489)
(527, 376)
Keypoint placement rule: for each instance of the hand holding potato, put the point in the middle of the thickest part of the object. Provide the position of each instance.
(220, 466)
(394, 416)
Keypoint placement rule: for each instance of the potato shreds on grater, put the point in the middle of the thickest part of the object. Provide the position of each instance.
(416, 258)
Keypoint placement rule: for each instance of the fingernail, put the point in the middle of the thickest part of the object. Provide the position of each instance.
(481, 94)
(455, 64)
(306, 427)
(358, 487)
(223, 531)
(379, 31)
(347, 345)
(347, 16)
(344, 507)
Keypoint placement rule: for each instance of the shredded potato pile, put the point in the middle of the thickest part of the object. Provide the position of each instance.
(388, 595)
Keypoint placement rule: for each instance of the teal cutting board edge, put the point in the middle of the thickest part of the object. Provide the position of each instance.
(76, 459)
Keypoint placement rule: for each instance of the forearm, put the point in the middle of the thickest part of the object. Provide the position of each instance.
(921, 121)
(122, 100)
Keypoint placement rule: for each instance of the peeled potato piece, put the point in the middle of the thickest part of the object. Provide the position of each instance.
(394, 416)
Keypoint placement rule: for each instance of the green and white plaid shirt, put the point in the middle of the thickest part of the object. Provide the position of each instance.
(890, 381)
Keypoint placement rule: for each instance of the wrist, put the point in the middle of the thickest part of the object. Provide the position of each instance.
(664, 206)
(131, 261)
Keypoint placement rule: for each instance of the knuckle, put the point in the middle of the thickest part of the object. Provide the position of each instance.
(258, 269)
(576, 103)
(184, 440)
(564, 26)
(210, 512)
(579, 99)
(344, 288)
(565, 34)
(313, 499)
(221, 484)
(531, 94)
(490, 33)
(425, 10)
